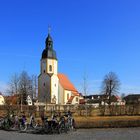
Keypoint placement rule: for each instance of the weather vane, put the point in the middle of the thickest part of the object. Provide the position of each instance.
(49, 29)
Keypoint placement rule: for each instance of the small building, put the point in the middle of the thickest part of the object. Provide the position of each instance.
(81, 99)
(132, 99)
(29, 100)
(12, 100)
(116, 100)
(97, 100)
(16, 100)
(2, 100)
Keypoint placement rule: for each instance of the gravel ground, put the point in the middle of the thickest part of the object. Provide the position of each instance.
(81, 134)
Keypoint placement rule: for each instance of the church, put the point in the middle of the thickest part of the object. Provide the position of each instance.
(54, 87)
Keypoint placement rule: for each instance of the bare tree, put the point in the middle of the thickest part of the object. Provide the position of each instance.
(110, 85)
(13, 84)
(34, 86)
(25, 86)
(85, 90)
(85, 84)
(11, 90)
(21, 85)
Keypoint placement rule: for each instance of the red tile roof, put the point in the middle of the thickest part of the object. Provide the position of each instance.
(12, 99)
(70, 100)
(117, 97)
(82, 101)
(75, 93)
(66, 84)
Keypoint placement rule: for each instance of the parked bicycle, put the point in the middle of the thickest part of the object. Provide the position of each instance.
(57, 124)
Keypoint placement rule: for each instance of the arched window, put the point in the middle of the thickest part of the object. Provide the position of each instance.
(68, 96)
(50, 67)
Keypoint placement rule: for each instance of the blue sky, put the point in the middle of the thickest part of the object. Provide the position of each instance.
(92, 36)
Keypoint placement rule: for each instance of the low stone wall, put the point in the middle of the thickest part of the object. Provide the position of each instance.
(77, 110)
(86, 116)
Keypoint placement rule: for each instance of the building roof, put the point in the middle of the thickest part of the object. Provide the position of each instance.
(49, 52)
(66, 84)
(82, 101)
(117, 97)
(132, 99)
(70, 100)
(12, 99)
(80, 94)
(99, 98)
(75, 93)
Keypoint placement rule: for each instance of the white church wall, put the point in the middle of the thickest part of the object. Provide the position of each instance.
(60, 94)
(53, 64)
(75, 100)
(66, 93)
(54, 88)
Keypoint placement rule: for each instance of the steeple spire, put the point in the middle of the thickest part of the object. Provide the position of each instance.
(49, 41)
(49, 52)
(49, 29)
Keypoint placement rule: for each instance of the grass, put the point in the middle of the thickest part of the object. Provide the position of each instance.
(107, 121)
(107, 118)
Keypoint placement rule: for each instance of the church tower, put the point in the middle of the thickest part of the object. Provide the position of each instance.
(48, 80)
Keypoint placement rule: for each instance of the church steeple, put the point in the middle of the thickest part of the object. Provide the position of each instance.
(48, 80)
(49, 42)
(48, 51)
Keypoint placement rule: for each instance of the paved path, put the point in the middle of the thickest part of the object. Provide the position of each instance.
(81, 134)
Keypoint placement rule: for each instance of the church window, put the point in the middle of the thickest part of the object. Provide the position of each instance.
(50, 67)
(44, 84)
(44, 71)
(76, 99)
(67, 96)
